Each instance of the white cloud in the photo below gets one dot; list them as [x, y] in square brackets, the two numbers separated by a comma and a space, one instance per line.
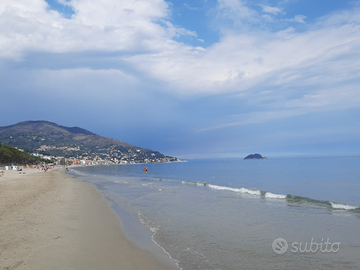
[297, 18]
[179, 31]
[236, 11]
[272, 10]
[243, 61]
[106, 25]
[116, 13]
[26, 6]
[324, 100]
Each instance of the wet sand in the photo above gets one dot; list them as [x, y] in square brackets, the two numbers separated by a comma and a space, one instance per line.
[55, 221]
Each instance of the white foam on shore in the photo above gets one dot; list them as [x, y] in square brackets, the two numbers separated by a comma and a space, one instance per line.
[154, 230]
[193, 183]
[343, 206]
[274, 196]
[238, 190]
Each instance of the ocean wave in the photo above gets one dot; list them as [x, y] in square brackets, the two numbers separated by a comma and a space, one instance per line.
[343, 206]
[238, 190]
[164, 179]
[250, 191]
[122, 182]
[274, 196]
[322, 203]
[154, 229]
[269, 195]
[288, 198]
[157, 179]
[147, 222]
[194, 183]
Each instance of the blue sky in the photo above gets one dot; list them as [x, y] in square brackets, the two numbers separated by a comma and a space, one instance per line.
[192, 79]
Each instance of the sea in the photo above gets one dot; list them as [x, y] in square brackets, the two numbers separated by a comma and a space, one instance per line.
[283, 213]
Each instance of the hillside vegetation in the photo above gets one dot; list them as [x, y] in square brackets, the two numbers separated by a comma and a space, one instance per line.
[51, 139]
[10, 155]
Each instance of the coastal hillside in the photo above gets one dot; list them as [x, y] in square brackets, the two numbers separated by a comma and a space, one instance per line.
[51, 139]
[10, 155]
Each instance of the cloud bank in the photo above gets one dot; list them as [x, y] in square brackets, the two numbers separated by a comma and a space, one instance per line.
[275, 67]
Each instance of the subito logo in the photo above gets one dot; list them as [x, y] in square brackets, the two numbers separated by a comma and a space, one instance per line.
[280, 246]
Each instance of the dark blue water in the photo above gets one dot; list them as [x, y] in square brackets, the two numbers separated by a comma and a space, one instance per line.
[226, 214]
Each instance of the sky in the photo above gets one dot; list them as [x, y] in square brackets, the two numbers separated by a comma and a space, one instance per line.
[191, 79]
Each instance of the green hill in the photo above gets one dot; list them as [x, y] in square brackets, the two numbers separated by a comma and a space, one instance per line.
[51, 139]
[10, 155]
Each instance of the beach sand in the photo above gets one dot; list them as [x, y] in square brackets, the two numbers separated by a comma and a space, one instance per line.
[55, 221]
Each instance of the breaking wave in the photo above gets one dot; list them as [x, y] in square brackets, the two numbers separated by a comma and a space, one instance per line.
[344, 206]
[274, 196]
[239, 190]
[269, 195]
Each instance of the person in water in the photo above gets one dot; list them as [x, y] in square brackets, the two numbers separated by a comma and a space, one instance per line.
[145, 169]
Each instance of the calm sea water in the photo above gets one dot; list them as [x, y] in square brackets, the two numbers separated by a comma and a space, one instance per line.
[228, 214]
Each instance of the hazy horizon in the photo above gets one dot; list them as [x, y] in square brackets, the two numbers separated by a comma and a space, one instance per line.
[200, 79]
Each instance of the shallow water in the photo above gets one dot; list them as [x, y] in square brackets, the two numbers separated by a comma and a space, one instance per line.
[226, 214]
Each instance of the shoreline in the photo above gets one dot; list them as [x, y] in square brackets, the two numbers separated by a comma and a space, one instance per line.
[55, 221]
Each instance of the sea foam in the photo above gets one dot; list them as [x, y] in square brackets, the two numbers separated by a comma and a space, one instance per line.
[274, 196]
[343, 206]
[238, 190]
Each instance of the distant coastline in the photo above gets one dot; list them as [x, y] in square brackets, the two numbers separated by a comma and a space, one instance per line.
[63, 145]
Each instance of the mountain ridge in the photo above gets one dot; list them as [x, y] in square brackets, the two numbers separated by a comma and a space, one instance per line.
[48, 138]
[42, 122]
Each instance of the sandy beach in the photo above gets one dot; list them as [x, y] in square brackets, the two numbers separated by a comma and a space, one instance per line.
[55, 221]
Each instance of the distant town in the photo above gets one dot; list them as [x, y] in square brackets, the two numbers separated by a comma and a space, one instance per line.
[91, 159]
[60, 145]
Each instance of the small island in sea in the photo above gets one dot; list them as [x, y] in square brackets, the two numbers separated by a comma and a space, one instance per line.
[255, 156]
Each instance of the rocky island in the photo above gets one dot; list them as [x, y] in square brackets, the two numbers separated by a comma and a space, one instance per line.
[255, 156]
